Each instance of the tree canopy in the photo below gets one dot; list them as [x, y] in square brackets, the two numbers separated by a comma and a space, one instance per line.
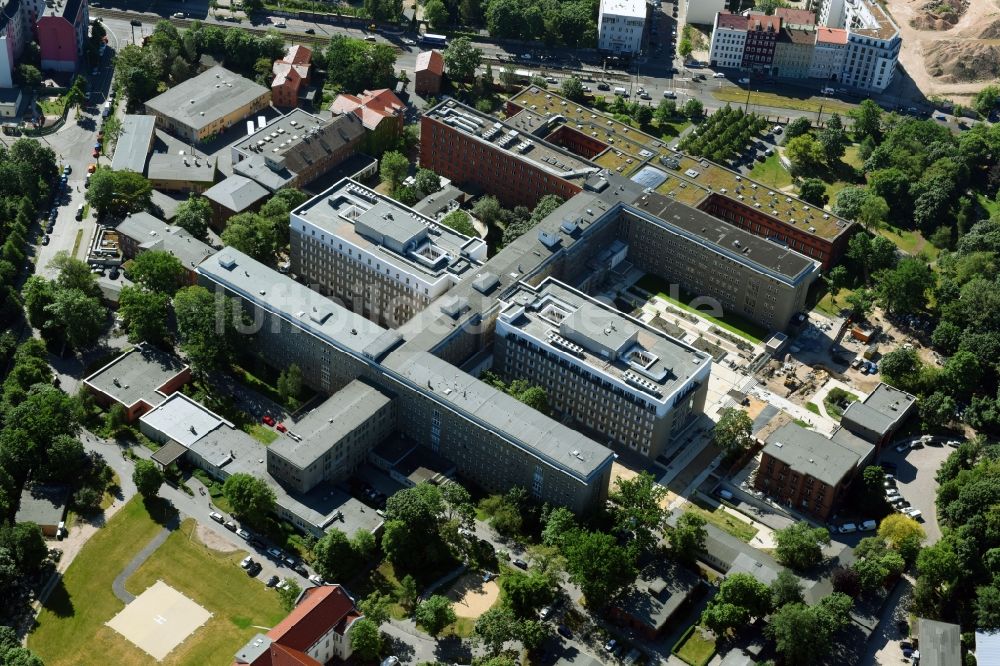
[251, 498]
[799, 545]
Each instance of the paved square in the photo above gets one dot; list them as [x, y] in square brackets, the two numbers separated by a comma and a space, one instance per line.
[159, 619]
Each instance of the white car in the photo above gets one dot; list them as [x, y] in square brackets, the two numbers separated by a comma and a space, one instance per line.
[848, 528]
[217, 517]
[246, 562]
[316, 579]
[913, 512]
[718, 75]
[178, 15]
[408, 41]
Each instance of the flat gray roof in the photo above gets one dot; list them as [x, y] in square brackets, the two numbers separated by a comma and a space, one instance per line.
[205, 98]
[335, 418]
[182, 419]
[661, 589]
[136, 375]
[383, 226]
[181, 168]
[940, 643]
[881, 411]
[808, 452]
[297, 304]
[604, 338]
[43, 504]
[152, 233]
[539, 435]
[236, 193]
[134, 142]
[749, 565]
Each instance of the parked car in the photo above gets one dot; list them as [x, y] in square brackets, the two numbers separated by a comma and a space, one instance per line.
[869, 526]
[718, 75]
[777, 129]
[564, 631]
[520, 564]
[745, 80]
[848, 528]
[545, 613]
[243, 534]
[610, 645]
[217, 517]
[603, 86]
[276, 554]
[902, 448]
[280, 427]
[272, 581]
[316, 579]
[177, 15]
[913, 512]
[246, 562]
[310, 31]
[268, 419]
[230, 525]
[408, 41]
[300, 570]
[254, 569]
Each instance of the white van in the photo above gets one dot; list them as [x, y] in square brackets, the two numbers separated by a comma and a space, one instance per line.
[718, 75]
[621, 92]
[848, 528]
[869, 526]
[669, 94]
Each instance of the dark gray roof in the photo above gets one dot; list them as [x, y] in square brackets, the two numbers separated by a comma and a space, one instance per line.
[761, 571]
[206, 98]
[181, 168]
[136, 375]
[154, 234]
[134, 142]
[658, 592]
[297, 304]
[43, 505]
[254, 649]
[169, 453]
[809, 452]
[940, 643]
[236, 193]
[881, 411]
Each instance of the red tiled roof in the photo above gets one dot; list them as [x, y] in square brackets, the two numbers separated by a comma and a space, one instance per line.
[796, 16]
[733, 21]
[285, 656]
[430, 61]
[298, 55]
[826, 35]
[372, 106]
[319, 609]
[764, 22]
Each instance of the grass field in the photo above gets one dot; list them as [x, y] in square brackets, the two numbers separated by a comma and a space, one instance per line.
[724, 521]
[77, 609]
[770, 172]
[696, 650]
[76, 612]
[261, 433]
[730, 322]
[813, 407]
[739, 95]
[52, 106]
[989, 205]
[910, 242]
[671, 128]
[836, 401]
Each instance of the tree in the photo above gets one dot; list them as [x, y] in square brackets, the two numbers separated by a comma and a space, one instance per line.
[144, 313]
[849, 200]
[904, 288]
[693, 109]
[846, 581]
[205, 324]
[768, 6]
[986, 100]
[147, 478]
[898, 529]
[426, 181]
[937, 410]
[834, 139]
[786, 589]
[357, 65]
[666, 110]
[873, 214]
[460, 221]
[64, 460]
[408, 592]
[805, 154]
[802, 634]
[30, 75]
[413, 521]
[434, 614]
[685, 47]
[80, 317]
[740, 598]
[487, 209]
[572, 88]
[436, 15]
[559, 522]
[900, 366]
[333, 556]
[598, 565]
[460, 57]
[74, 274]
[525, 593]
[867, 121]
[813, 190]
[158, 271]
[290, 383]
[643, 115]
[251, 498]
[637, 509]
[798, 545]
[495, 627]
[376, 607]
[194, 214]
[366, 639]
[798, 127]
[118, 193]
[393, 169]
[732, 433]
[254, 234]
[688, 536]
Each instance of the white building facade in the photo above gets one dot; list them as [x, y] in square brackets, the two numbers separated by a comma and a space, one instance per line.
[873, 44]
[620, 25]
[702, 12]
[828, 55]
[729, 38]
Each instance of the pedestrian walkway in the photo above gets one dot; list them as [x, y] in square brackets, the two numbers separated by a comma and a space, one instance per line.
[118, 586]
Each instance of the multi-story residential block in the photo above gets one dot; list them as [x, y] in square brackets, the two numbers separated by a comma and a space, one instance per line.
[428, 73]
[291, 76]
[334, 439]
[833, 13]
[14, 31]
[620, 26]
[762, 36]
[296, 149]
[181, 173]
[557, 129]
[873, 44]
[729, 37]
[380, 111]
[316, 632]
[702, 12]
[141, 232]
[629, 384]
[62, 34]
[793, 52]
[808, 471]
[828, 54]
[207, 104]
[234, 195]
[383, 259]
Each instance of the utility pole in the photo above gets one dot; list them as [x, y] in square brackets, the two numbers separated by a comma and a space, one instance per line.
[819, 114]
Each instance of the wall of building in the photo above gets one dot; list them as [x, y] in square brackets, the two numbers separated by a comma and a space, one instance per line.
[184, 131]
[467, 161]
[727, 47]
[619, 34]
[792, 60]
[703, 12]
[57, 43]
[427, 82]
[827, 61]
[799, 491]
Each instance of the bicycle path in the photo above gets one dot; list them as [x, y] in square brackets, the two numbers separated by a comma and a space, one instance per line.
[119, 583]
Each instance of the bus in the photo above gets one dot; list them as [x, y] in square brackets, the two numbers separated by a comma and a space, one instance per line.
[433, 40]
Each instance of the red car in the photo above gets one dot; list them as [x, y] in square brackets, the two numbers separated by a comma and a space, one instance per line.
[281, 427]
[268, 419]
[96, 153]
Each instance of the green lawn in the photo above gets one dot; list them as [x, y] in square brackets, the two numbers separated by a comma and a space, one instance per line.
[851, 156]
[52, 106]
[739, 96]
[261, 433]
[239, 604]
[910, 242]
[989, 205]
[75, 612]
[772, 173]
[836, 401]
[696, 650]
[801, 423]
[670, 129]
[813, 407]
[461, 627]
[730, 322]
[725, 521]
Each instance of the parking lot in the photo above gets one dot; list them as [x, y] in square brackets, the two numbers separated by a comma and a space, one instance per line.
[915, 478]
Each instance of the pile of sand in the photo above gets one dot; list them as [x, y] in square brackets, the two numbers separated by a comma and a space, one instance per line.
[991, 31]
[960, 61]
[939, 14]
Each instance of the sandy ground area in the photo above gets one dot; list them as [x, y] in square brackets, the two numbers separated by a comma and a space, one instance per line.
[472, 597]
[978, 16]
[208, 537]
[620, 471]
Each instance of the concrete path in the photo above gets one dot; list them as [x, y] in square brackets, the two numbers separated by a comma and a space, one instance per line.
[119, 583]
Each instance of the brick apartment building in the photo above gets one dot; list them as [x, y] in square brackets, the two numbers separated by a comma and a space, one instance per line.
[428, 73]
[762, 36]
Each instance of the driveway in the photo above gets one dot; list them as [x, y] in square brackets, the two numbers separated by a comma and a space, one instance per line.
[915, 475]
